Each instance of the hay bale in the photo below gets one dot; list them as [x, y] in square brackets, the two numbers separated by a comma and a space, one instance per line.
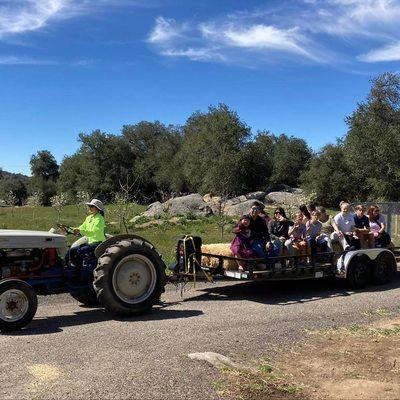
[221, 249]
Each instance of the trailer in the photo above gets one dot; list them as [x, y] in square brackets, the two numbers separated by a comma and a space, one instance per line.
[358, 267]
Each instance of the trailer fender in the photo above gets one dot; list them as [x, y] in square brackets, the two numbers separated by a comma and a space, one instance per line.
[368, 254]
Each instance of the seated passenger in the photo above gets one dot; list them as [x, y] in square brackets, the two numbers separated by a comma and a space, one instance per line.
[279, 230]
[345, 222]
[259, 230]
[306, 214]
[241, 245]
[313, 234]
[362, 229]
[297, 236]
[378, 227]
[329, 231]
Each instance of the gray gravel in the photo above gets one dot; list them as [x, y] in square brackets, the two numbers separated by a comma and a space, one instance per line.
[72, 352]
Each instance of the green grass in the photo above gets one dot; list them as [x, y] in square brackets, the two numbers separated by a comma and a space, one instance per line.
[163, 236]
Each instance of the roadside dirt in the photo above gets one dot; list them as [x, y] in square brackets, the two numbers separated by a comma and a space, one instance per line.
[356, 362]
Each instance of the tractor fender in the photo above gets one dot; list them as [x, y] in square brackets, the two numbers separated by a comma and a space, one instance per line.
[344, 260]
[101, 248]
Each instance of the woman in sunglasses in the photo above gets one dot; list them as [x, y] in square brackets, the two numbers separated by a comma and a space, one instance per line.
[279, 230]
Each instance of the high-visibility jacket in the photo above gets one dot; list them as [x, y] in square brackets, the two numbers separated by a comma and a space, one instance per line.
[93, 228]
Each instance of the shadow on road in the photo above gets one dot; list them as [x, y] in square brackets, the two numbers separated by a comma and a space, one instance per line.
[286, 293]
[40, 326]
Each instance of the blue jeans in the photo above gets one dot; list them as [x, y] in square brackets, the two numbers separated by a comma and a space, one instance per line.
[77, 254]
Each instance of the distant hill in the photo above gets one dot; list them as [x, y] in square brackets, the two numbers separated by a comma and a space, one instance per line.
[9, 175]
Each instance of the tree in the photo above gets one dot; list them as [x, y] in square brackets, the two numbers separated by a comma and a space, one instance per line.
[373, 140]
[13, 188]
[44, 165]
[45, 173]
[210, 156]
[154, 146]
[329, 177]
[257, 161]
[290, 158]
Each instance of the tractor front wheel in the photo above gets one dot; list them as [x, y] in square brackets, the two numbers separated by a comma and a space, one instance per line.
[129, 277]
[18, 304]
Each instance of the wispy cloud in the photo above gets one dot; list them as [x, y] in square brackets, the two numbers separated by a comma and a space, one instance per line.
[387, 53]
[13, 60]
[21, 16]
[313, 31]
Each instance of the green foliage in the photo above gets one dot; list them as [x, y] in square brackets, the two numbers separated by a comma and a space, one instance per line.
[373, 140]
[210, 155]
[329, 177]
[290, 157]
[14, 186]
[45, 172]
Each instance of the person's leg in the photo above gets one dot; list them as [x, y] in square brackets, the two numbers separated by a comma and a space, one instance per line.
[259, 247]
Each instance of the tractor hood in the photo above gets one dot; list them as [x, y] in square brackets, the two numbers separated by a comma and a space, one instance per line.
[20, 239]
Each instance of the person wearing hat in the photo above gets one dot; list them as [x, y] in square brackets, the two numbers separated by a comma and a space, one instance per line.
[93, 228]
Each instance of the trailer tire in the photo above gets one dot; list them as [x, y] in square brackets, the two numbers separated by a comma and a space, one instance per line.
[384, 268]
[358, 272]
[88, 297]
[18, 304]
[129, 278]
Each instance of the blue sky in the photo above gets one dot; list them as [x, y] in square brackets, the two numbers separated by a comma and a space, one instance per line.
[294, 67]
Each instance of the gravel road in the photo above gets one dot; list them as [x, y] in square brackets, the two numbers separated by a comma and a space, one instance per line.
[71, 352]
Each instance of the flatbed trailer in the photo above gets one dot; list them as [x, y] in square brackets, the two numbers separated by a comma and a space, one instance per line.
[358, 267]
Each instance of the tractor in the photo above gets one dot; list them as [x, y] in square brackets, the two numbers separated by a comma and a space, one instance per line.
[125, 274]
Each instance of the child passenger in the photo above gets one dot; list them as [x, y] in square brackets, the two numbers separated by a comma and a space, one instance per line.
[314, 238]
[297, 236]
[362, 228]
[242, 244]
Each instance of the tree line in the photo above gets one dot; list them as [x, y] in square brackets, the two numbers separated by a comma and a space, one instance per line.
[216, 152]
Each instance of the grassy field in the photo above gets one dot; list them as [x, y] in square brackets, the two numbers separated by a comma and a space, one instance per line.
[164, 235]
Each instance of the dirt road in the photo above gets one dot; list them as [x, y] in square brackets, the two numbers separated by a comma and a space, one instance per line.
[74, 352]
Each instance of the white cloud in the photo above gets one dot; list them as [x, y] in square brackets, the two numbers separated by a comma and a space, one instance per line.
[387, 53]
[21, 16]
[195, 54]
[260, 37]
[29, 15]
[13, 60]
[165, 30]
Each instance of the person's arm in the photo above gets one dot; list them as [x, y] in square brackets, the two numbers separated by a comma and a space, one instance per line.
[308, 227]
[383, 224]
[336, 226]
[271, 226]
[94, 229]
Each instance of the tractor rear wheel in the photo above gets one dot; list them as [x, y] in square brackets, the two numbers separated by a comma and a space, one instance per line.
[384, 268]
[87, 297]
[18, 304]
[129, 277]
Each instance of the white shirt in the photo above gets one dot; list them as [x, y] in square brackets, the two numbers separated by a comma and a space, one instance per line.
[345, 223]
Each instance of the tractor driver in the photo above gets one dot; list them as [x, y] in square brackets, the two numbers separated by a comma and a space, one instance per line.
[93, 228]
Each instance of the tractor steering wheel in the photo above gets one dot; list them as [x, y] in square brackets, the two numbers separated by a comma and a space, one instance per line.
[67, 229]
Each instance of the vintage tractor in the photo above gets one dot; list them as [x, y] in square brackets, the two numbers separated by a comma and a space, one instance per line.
[125, 274]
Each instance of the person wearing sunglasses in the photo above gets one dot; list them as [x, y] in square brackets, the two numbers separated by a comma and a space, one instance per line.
[279, 230]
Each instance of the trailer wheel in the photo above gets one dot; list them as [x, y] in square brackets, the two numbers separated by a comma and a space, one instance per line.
[87, 297]
[358, 272]
[129, 277]
[384, 269]
[18, 304]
